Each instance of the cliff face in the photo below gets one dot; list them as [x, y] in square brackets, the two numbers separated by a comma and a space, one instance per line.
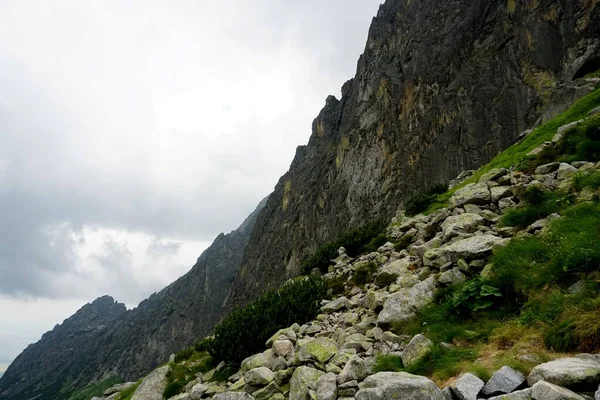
[104, 339]
[442, 87]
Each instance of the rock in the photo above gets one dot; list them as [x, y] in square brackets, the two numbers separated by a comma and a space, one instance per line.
[452, 276]
[353, 370]
[540, 149]
[393, 270]
[547, 391]
[565, 128]
[547, 168]
[493, 175]
[505, 380]
[303, 380]
[416, 349]
[449, 394]
[182, 396]
[119, 388]
[398, 385]
[233, 396]
[263, 359]
[467, 386]
[506, 204]
[260, 376]
[153, 385]
[475, 247]
[267, 392]
[565, 171]
[524, 394]
[500, 192]
[198, 390]
[402, 305]
[327, 387]
[373, 300]
[470, 194]
[283, 348]
[459, 224]
[573, 373]
[283, 334]
[335, 305]
[320, 349]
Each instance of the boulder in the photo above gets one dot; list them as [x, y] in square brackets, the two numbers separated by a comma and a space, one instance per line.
[402, 306]
[233, 396]
[547, 168]
[493, 175]
[260, 376]
[264, 359]
[182, 396]
[320, 349]
[543, 390]
[573, 373]
[524, 394]
[198, 390]
[505, 380]
[389, 273]
[417, 348]
[475, 247]
[470, 194]
[449, 394]
[282, 334]
[398, 385]
[353, 370]
[119, 388]
[373, 300]
[303, 380]
[267, 392]
[463, 223]
[327, 387]
[283, 348]
[565, 171]
[452, 276]
[500, 192]
[335, 305]
[153, 385]
[467, 386]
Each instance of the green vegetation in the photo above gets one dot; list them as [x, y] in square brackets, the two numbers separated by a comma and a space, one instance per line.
[127, 394]
[245, 331]
[182, 373]
[515, 154]
[421, 200]
[364, 274]
[95, 389]
[539, 203]
[472, 296]
[367, 237]
[583, 181]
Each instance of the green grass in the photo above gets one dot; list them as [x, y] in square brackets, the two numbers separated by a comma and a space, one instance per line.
[127, 394]
[516, 153]
[539, 203]
[583, 181]
[95, 389]
[180, 375]
[421, 200]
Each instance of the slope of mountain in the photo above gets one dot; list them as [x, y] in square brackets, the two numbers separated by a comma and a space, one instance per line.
[104, 339]
[442, 87]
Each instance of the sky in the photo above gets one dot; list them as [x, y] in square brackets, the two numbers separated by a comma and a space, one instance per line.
[133, 132]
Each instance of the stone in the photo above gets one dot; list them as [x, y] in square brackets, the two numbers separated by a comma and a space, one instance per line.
[263, 359]
[283, 348]
[572, 373]
[547, 168]
[303, 380]
[267, 392]
[320, 349]
[565, 171]
[505, 380]
[493, 175]
[153, 385]
[398, 385]
[119, 388]
[475, 247]
[467, 386]
[260, 376]
[565, 128]
[198, 390]
[597, 395]
[524, 394]
[373, 300]
[543, 390]
[470, 194]
[506, 204]
[236, 386]
[460, 224]
[389, 273]
[327, 387]
[283, 334]
[452, 276]
[335, 305]
[449, 394]
[500, 192]
[182, 396]
[233, 396]
[353, 370]
[402, 306]
[417, 348]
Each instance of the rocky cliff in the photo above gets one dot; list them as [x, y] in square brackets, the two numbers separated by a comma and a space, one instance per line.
[442, 87]
[104, 339]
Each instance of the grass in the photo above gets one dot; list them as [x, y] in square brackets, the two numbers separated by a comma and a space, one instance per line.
[583, 181]
[127, 394]
[181, 373]
[539, 203]
[516, 153]
[96, 389]
[421, 200]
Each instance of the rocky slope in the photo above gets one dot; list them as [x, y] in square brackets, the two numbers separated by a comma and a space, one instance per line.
[442, 87]
[334, 356]
[104, 339]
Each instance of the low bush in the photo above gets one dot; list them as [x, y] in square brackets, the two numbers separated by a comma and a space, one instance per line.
[184, 354]
[420, 201]
[472, 296]
[203, 345]
[336, 285]
[587, 180]
[356, 241]
[245, 331]
[539, 203]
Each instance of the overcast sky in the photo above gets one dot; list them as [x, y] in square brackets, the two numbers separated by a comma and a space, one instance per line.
[134, 132]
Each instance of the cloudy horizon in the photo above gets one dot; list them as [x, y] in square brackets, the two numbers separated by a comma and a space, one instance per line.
[133, 134]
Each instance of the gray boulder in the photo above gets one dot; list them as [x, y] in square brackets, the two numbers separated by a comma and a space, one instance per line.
[524, 394]
[118, 388]
[452, 276]
[233, 396]
[402, 305]
[547, 168]
[303, 380]
[398, 385]
[389, 273]
[327, 387]
[153, 385]
[500, 192]
[335, 305]
[467, 386]
[505, 380]
[597, 395]
[353, 370]
[417, 348]
[320, 349]
[573, 373]
[565, 171]
[198, 391]
[260, 376]
[547, 391]
[462, 223]
[470, 194]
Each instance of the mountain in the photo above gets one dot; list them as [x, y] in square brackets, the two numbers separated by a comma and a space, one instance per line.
[442, 87]
[104, 339]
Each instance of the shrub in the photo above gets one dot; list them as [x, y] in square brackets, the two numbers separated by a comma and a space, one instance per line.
[403, 243]
[375, 243]
[336, 285]
[364, 274]
[183, 355]
[245, 331]
[173, 389]
[355, 241]
[180, 375]
[390, 363]
[539, 204]
[421, 200]
[587, 180]
[473, 295]
[203, 345]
